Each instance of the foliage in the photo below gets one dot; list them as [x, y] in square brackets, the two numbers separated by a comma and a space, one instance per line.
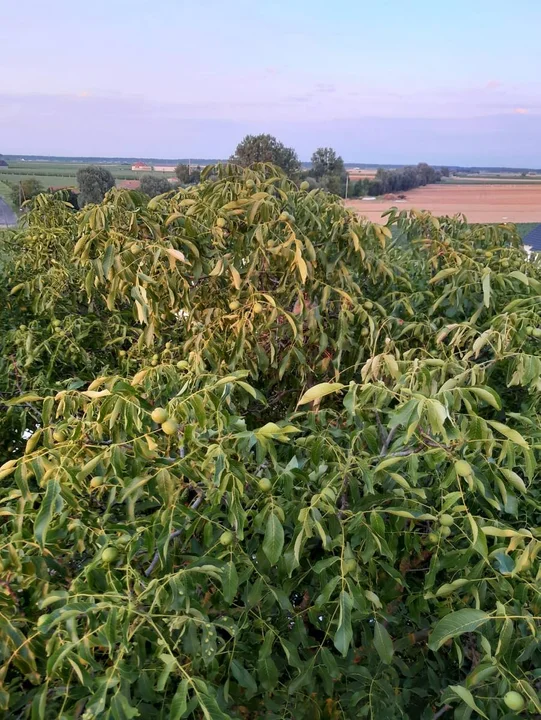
[266, 149]
[325, 161]
[406, 178]
[343, 519]
[182, 172]
[153, 185]
[94, 182]
[25, 190]
[186, 175]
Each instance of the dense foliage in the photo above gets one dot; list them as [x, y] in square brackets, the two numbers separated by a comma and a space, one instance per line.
[404, 178]
[153, 185]
[266, 149]
[263, 460]
[94, 182]
[24, 190]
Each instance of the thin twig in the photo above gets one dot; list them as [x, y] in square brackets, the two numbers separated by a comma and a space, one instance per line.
[389, 440]
[442, 711]
[382, 431]
[156, 559]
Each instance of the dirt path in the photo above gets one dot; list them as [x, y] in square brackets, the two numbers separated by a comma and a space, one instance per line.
[480, 203]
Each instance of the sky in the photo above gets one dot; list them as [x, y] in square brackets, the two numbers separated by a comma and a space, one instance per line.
[387, 81]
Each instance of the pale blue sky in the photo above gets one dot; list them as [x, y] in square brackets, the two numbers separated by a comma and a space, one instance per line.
[448, 81]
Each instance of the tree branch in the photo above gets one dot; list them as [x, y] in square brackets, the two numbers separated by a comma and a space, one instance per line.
[442, 711]
[156, 559]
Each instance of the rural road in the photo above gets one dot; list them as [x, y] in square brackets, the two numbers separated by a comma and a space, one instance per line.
[7, 216]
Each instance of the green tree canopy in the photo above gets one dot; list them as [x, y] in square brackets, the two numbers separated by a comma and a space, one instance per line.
[266, 149]
[262, 459]
[94, 182]
[182, 172]
[25, 190]
[325, 161]
[153, 185]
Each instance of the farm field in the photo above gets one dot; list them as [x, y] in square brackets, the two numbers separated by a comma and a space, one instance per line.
[52, 174]
[479, 203]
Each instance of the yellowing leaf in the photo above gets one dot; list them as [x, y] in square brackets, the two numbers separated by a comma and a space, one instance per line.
[319, 391]
[236, 277]
[510, 434]
[177, 255]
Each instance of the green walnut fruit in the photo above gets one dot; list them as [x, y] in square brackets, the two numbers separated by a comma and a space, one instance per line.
[537, 332]
[159, 415]
[134, 249]
[258, 307]
[221, 222]
[447, 520]
[182, 365]
[514, 701]
[445, 531]
[59, 436]
[265, 485]
[226, 538]
[250, 184]
[284, 217]
[305, 185]
[234, 305]
[463, 468]
[168, 346]
[529, 330]
[365, 332]
[170, 427]
[57, 323]
[368, 305]
[349, 566]
[109, 555]
[433, 538]
[97, 482]
[122, 353]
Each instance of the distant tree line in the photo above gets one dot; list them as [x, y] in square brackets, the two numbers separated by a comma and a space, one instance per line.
[399, 180]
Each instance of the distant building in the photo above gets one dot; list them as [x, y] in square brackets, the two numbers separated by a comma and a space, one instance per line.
[141, 167]
[164, 168]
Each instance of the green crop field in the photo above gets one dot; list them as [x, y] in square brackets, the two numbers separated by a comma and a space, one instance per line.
[52, 174]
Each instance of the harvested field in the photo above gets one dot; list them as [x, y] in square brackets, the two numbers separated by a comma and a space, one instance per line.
[479, 203]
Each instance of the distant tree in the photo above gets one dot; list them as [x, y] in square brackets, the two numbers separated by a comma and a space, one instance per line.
[182, 172]
[266, 148]
[153, 185]
[25, 190]
[94, 182]
[445, 172]
[325, 161]
[195, 176]
[334, 184]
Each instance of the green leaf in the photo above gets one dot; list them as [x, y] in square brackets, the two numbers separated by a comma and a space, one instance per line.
[179, 703]
[456, 623]
[510, 434]
[344, 632]
[466, 695]
[230, 582]
[273, 541]
[46, 511]
[267, 672]
[383, 643]
[318, 391]
[242, 676]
